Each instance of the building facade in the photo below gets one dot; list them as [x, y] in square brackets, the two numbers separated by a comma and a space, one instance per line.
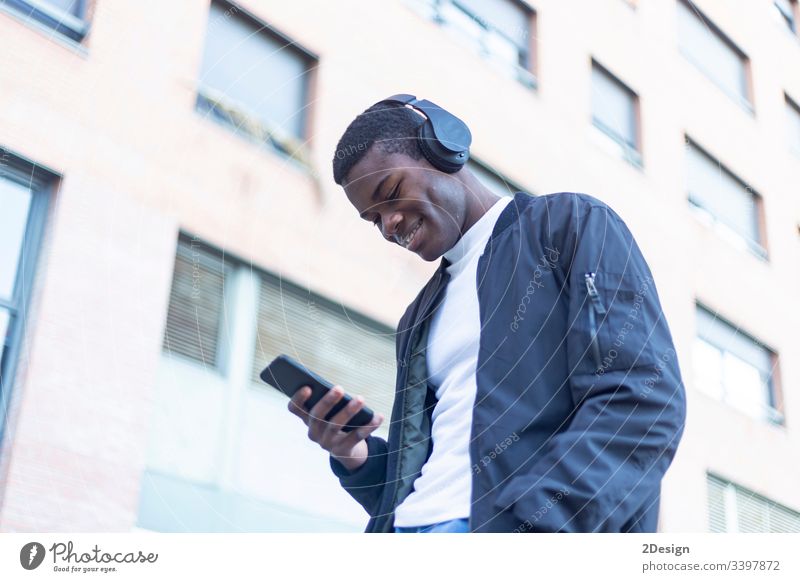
[169, 223]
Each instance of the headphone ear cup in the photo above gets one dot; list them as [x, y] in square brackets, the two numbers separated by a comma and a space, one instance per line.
[433, 152]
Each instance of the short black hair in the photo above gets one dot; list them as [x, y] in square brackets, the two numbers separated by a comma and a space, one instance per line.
[390, 126]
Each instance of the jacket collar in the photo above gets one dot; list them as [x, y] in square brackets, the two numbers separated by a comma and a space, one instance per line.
[508, 216]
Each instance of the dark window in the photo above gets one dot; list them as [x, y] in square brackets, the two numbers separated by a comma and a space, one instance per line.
[793, 113]
[493, 180]
[502, 30]
[254, 80]
[615, 112]
[24, 194]
[705, 46]
[67, 17]
[194, 318]
[730, 204]
[787, 12]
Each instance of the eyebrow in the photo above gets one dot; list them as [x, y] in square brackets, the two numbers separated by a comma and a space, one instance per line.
[375, 193]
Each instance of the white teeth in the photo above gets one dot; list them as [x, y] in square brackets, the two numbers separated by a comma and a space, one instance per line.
[406, 241]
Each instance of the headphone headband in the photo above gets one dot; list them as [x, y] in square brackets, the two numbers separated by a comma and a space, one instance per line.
[443, 138]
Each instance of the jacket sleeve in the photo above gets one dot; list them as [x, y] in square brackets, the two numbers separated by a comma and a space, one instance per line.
[366, 483]
[625, 383]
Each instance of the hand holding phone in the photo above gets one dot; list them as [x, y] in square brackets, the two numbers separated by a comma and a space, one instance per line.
[337, 422]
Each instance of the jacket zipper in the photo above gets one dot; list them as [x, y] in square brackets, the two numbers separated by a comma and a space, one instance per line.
[596, 308]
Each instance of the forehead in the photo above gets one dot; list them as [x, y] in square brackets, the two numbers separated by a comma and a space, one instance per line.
[368, 173]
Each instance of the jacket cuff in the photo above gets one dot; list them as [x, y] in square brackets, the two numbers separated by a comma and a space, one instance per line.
[371, 472]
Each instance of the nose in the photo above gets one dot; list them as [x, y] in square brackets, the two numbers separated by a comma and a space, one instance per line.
[390, 224]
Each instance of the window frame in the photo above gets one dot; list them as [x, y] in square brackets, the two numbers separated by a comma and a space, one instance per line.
[794, 106]
[527, 74]
[512, 184]
[745, 101]
[631, 153]
[759, 248]
[42, 184]
[210, 105]
[792, 25]
[731, 508]
[774, 411]
[73, 27]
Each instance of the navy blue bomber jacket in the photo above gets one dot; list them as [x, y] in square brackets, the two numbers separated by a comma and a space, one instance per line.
[580, 404]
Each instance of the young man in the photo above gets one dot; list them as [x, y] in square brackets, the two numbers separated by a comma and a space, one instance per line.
[538, 388]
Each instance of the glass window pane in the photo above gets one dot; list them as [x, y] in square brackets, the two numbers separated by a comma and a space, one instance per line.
[491, 180]
[194, 317]
[718, 332]
[744, 386]
[5, 318]
[613, 106]
[718, 192]
[461, 20]
[254, 71]
[793, 113]
[15, 201]
[68, 6]
[711, 53]
[507, 16]
[707, 366]
[785, 11]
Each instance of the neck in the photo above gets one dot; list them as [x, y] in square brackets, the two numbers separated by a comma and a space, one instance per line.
[479, 200]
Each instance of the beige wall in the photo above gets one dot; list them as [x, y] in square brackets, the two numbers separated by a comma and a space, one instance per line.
[116, 119]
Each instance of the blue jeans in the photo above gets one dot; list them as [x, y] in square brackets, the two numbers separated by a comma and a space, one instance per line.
[458, 525]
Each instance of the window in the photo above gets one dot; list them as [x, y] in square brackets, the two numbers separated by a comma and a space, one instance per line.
[494, 181]
[734, 368]
[254, 80]
[786, 11]
[702, 43]
[793, 129]
[503, 31]
[219, 436]
[733, 509]
[334, 341]
[66, 17]
[730, 206]
[615, 112]
[24, 193]
[194, 318]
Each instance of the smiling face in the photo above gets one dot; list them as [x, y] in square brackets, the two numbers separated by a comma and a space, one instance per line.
[412, 203]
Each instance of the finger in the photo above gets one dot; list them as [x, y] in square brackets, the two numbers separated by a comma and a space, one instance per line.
[296, 403]
[316, 421]
[360, 433]
[338, 420]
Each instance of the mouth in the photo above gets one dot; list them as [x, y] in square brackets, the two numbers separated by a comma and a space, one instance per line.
[411, 238]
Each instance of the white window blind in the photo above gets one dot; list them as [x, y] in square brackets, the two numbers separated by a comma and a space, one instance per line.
[613, 107]
[196, 303]
[732, 508]
[711, 53]
[717, 191]
[341, 346]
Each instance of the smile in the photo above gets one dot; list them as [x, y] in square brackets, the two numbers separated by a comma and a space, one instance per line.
[409, 238]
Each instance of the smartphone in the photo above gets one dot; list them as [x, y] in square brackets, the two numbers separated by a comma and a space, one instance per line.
[289, 376]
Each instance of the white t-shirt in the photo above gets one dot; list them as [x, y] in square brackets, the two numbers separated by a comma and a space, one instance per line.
[444, 487]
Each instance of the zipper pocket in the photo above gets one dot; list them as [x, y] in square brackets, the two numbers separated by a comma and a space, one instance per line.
[596, 308]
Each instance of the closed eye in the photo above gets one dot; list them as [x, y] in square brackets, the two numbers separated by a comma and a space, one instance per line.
[392, 196]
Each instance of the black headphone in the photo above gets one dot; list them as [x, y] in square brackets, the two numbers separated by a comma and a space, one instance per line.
[443, 138]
